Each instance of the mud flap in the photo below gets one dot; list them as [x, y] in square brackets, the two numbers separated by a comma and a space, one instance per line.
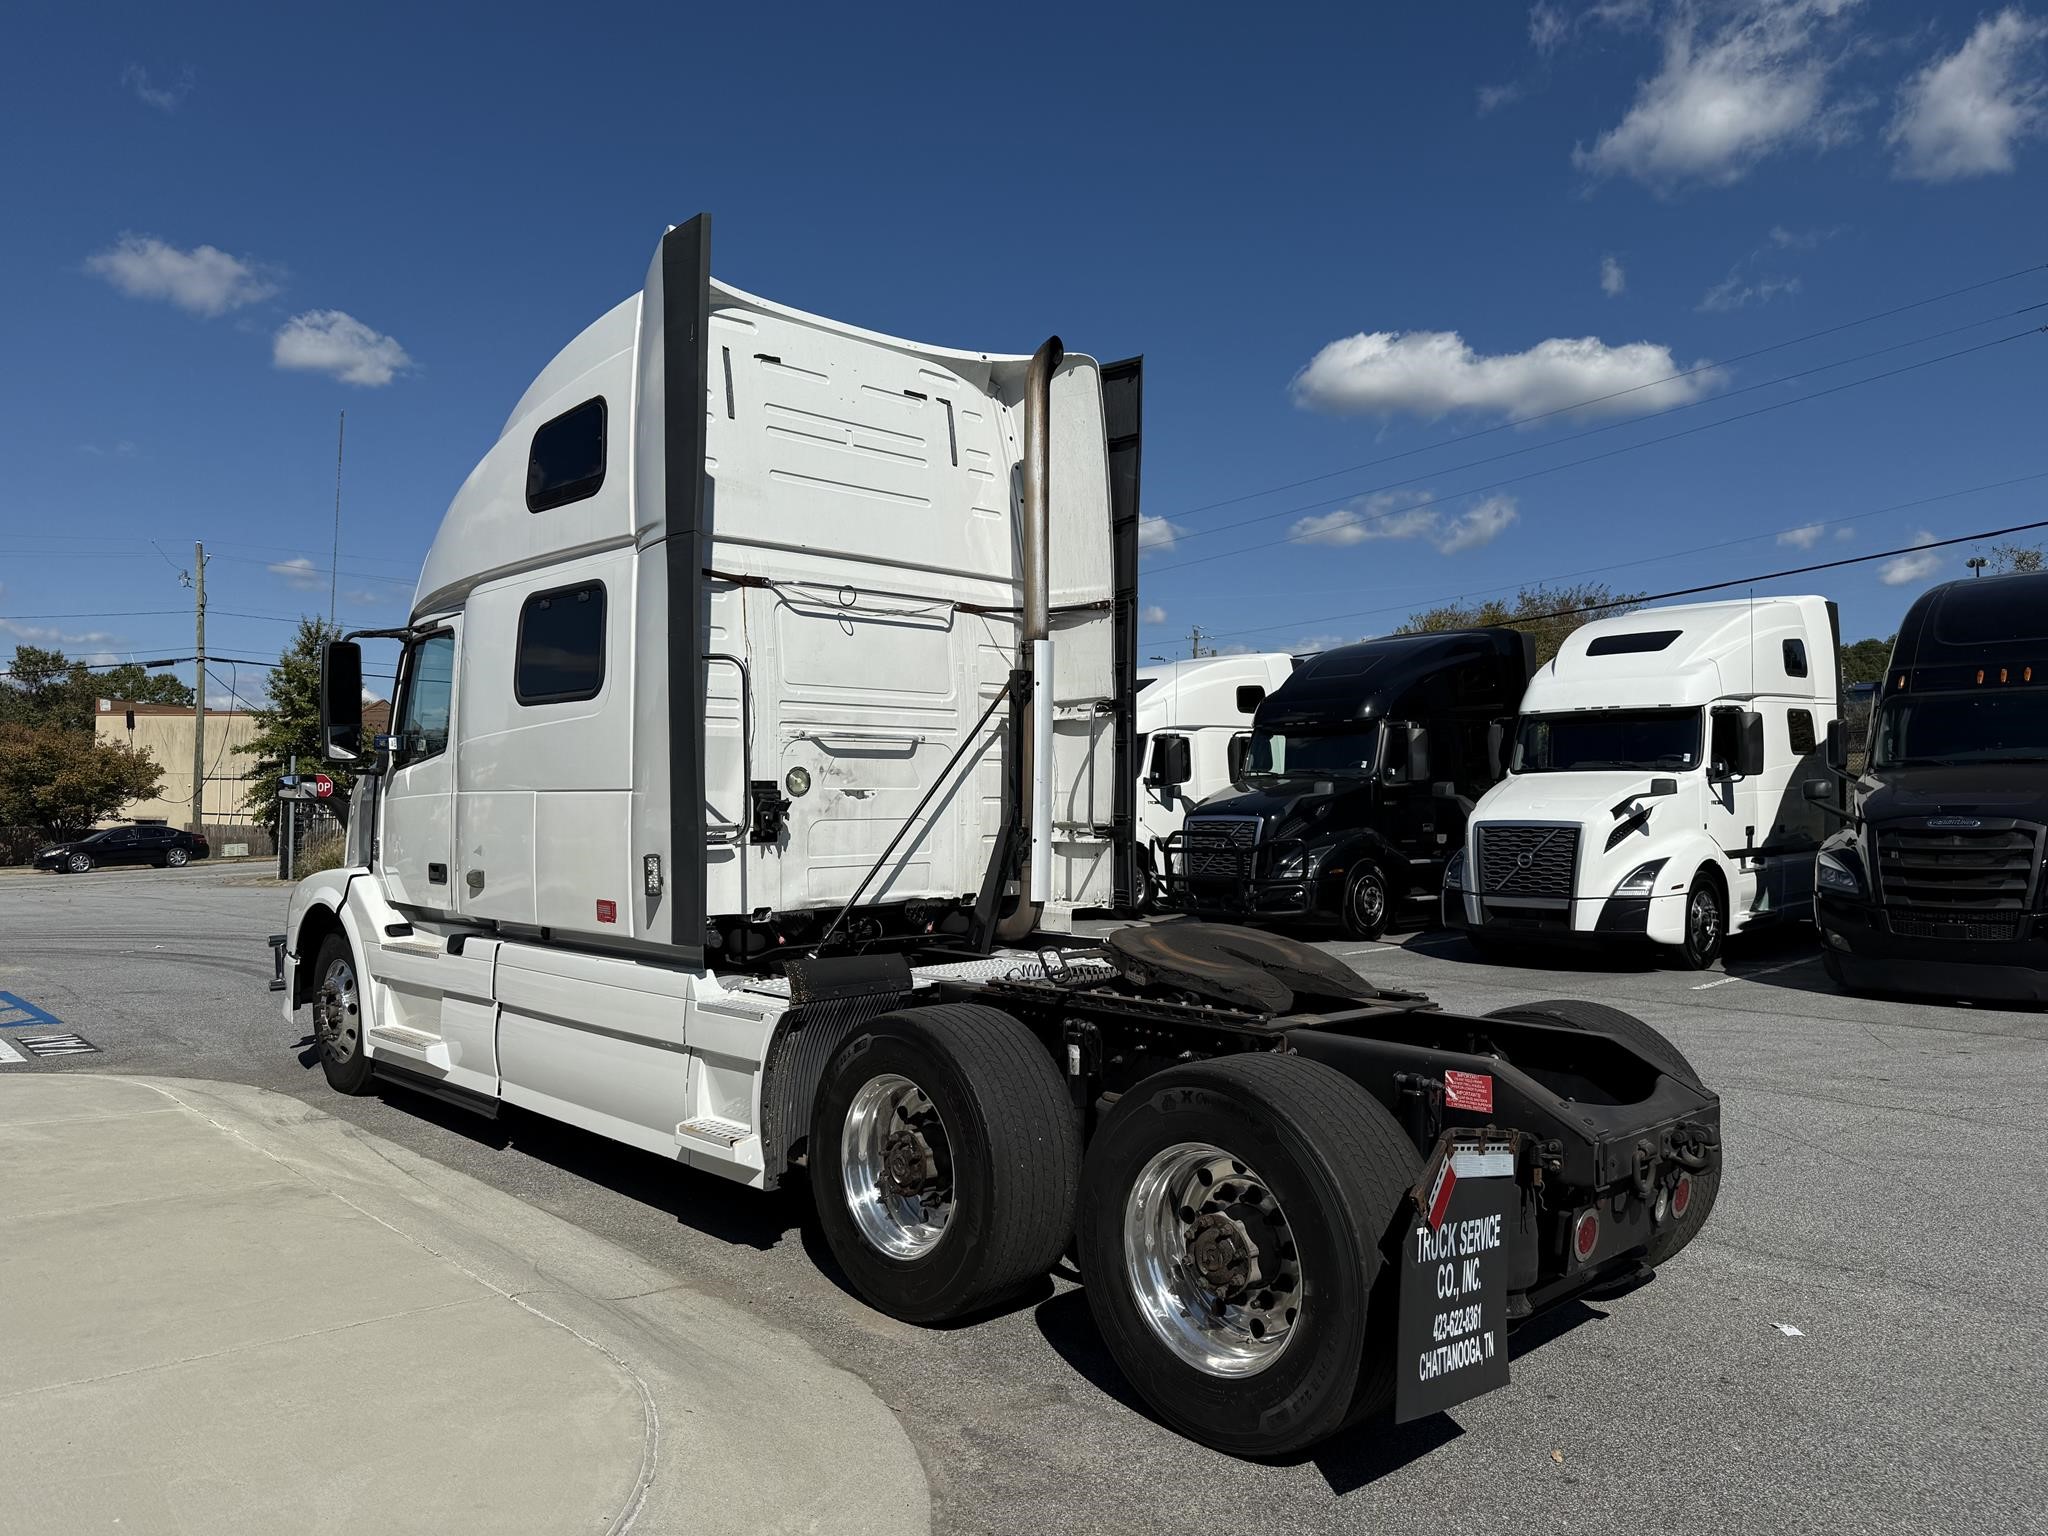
[1451, 1339]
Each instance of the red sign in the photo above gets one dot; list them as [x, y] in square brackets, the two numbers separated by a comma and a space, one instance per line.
[1440, 1193]
[1468, 1090]
[607, 911]
[323, 786]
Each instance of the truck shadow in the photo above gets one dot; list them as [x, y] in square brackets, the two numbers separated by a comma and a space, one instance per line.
[1355, 1459]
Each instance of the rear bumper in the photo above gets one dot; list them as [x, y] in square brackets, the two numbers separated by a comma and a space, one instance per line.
[1862, 946]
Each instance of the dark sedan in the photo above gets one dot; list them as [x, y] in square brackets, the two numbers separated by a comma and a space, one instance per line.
[165, 847]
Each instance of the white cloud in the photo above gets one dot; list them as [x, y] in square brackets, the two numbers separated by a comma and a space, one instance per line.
[1896, 573]
[301, 573]
[1803, 239]
[202, 281]
[1157, 533]
[1963, 114]
[1477, 525]
[1748, 83]
[1613, 277]
[1844, 535]
[52, 635]
[1803, 538]
[363, 597]
[1493, 97]
[1739, 289]
[1388, 516]
[1547, 26]
[1330, 642]
[1152, 614]
[1430, 373]
[165, 98]
[331, 342]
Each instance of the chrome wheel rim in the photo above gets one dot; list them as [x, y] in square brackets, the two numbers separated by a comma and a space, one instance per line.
[1211, 1260]
[79, 863]
[175, 857]
[338, 1017]
[1705, 921]
[896, 1167]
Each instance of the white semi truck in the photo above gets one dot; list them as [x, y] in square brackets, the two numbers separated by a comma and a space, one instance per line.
[1655, 792]
[1194, 729]
[765, 704]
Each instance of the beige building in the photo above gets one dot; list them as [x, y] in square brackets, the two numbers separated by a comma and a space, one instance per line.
[165, 732]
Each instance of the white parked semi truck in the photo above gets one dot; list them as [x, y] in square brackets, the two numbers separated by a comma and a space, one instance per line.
[1194, 729]
[1655, 792]
[765, 704]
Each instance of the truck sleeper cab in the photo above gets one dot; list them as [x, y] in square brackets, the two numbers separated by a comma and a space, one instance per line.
[1934, 881]
[1653, 794]
[806, 918]
[1194, 729]
[1359, 774]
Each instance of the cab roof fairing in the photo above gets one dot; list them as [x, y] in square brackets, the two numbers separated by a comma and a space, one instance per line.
[490, 503]
[1723, 651]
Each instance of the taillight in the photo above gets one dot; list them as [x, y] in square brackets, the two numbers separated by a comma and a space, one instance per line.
[1681, 1195]
[1586, 1234]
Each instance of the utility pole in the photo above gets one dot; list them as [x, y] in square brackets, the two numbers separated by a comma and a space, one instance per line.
[1195, 642]
[199, 689]
[334, 559]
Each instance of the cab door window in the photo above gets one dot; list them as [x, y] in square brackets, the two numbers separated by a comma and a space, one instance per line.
[424, 712]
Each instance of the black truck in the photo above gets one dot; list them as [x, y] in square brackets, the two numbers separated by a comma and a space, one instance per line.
[1362, 769]
[1934, 883]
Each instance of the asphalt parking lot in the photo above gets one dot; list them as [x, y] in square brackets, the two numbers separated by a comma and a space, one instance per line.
[1882, 1199]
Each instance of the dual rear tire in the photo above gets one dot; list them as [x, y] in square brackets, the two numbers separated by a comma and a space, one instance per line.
[1231, 1225]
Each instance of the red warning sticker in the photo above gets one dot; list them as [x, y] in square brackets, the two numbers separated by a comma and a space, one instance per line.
[1440, 1193]
[1468, 1090]
[607, 911]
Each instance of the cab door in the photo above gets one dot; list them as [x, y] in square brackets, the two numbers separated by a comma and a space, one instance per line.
[417, 836]
[1736, 817]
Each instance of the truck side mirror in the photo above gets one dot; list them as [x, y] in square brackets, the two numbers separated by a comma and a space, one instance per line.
[1819, 791]
[1418, 753]
[1496, 748]
[1172, 762]
[1838, 747]
[1661, 787]
[341, 701]
[1750, 757]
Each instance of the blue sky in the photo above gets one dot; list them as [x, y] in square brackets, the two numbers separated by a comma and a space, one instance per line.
[1338, 234]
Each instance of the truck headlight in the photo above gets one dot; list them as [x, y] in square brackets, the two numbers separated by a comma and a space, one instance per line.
[1454, 872]
[1833, 874]
[1642, 880]
[1291, 865]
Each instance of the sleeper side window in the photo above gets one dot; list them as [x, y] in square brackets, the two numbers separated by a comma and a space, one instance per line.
[566, 462]
[561, 645]
[422, 727]
[1795, 658]
[1800, 722]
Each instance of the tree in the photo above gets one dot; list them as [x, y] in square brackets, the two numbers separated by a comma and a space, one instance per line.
[291, 722]
[1548, 613]
[1866, 660]
[62, 781]
[45, 687]
[2014, 560]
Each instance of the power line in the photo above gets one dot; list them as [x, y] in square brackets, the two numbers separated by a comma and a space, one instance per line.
[1551, 469]
[1580, 405]
[1712, 586]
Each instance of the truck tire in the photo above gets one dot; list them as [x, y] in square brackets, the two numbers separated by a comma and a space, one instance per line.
[1261, 1325]
[945, 1153]
[1706, 923]
[1366, 899]
[338, 1016]
[1652, 1046]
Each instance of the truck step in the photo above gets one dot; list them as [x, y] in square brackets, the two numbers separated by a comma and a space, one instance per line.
[399, 1034]
[726, 1133]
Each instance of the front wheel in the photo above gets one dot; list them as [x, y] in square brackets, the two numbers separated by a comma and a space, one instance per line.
[338, 1016]
[1365, 903]
[78, 863]
[945, 1154]
[1231, 1243]
[1706, 923]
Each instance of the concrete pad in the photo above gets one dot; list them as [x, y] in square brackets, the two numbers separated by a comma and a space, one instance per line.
[224, 1311]
[197, 1274]
[471, 1417]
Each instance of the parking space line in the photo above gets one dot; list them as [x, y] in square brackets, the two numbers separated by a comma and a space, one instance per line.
[9, 1056]
[1770, 970]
